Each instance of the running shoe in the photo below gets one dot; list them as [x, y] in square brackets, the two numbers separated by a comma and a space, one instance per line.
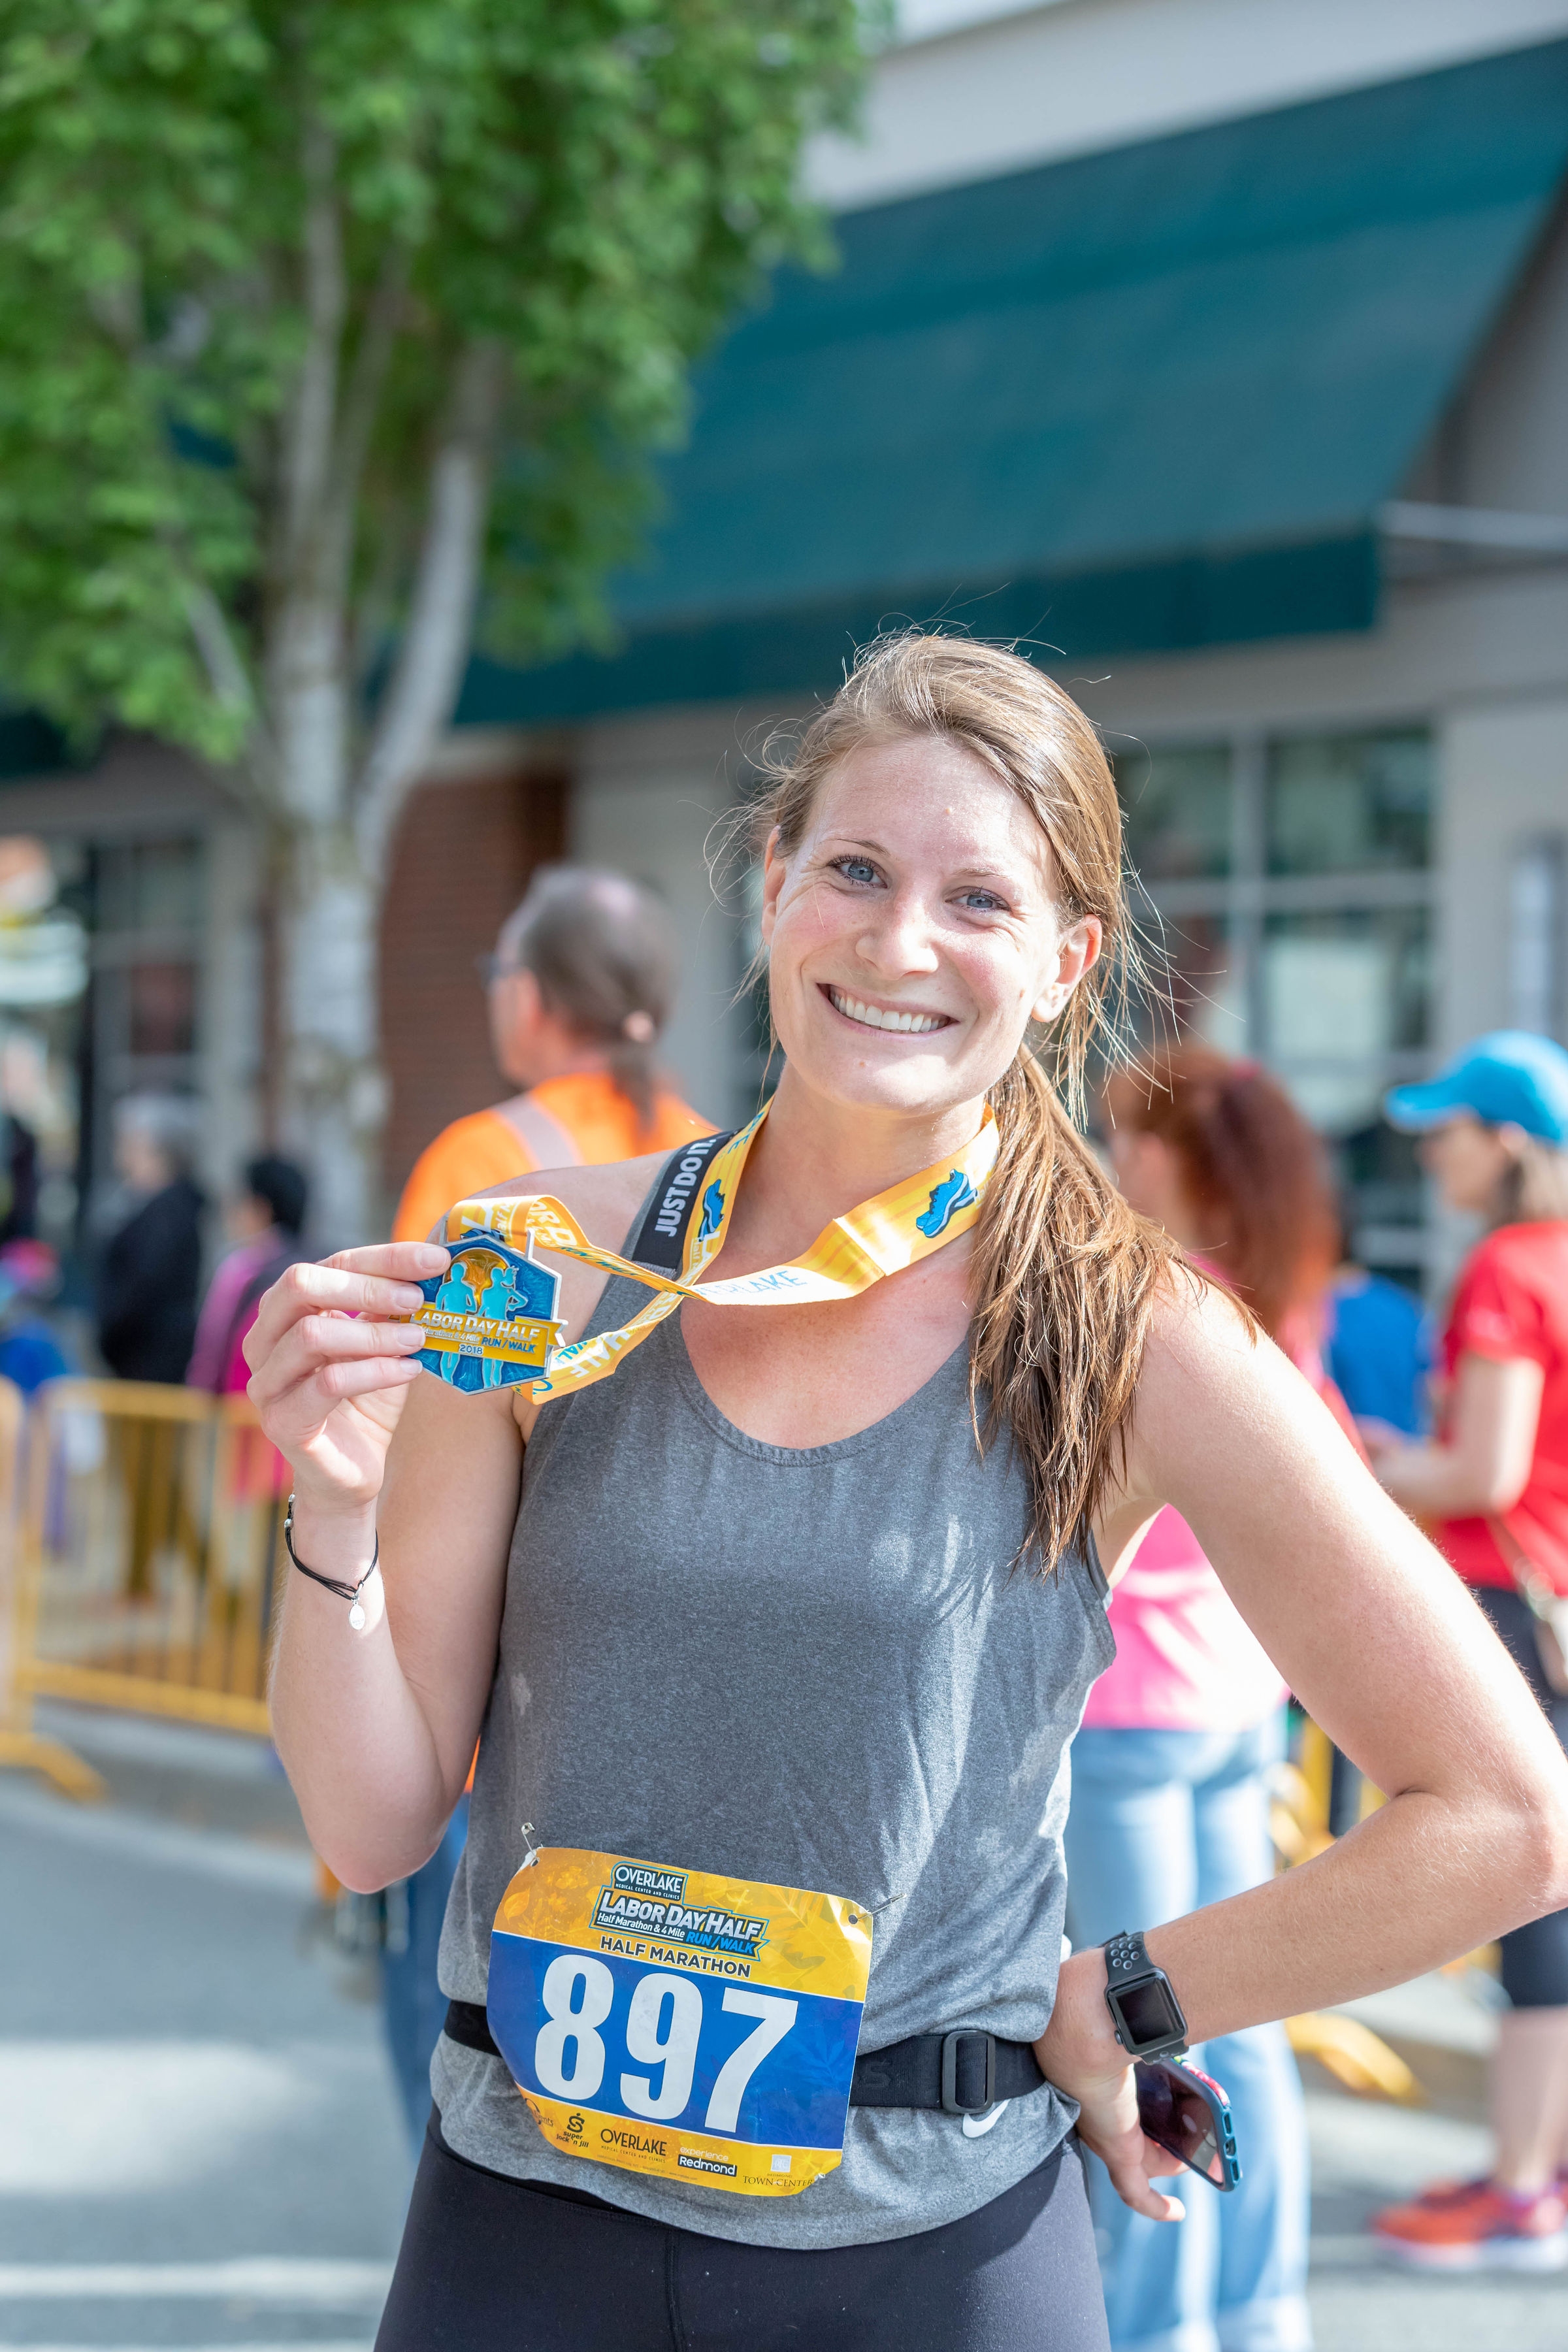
[1474, 2225]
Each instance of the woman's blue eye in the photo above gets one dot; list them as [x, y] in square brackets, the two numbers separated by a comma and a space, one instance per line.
[986, 901]
[856, 869]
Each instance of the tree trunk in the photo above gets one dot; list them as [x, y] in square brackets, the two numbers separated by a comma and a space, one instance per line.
[338, 827]
[334, 1094]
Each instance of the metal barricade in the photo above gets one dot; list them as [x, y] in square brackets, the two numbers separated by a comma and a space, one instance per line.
[151, 1533]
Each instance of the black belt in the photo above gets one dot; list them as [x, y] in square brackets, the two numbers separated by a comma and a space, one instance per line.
[964, 2073]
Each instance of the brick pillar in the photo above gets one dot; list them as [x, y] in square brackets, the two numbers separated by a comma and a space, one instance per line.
[461, 861]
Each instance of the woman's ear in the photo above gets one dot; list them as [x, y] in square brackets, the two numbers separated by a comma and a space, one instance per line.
[773, 873]
[1077, 951]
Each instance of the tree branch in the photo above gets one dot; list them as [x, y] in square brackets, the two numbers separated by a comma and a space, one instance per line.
[428, 670]
[361, 396]
[305, 686]
[356, 425]
[230, 681]
[308, 441]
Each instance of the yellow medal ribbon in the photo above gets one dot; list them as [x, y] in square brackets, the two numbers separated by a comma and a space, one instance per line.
[899, 1227]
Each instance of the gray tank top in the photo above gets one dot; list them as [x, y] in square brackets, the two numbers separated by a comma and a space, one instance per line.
[813, 1667]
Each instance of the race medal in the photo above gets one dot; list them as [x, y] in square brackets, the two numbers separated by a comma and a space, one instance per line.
[490, 1317]
[675, 2023]
[682, 1232]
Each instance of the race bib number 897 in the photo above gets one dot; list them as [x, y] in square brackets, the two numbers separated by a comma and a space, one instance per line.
[677, 2022]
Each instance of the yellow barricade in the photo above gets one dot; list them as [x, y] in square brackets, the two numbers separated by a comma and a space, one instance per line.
[1299, 1824]
[20, 1745]
[148, 1566]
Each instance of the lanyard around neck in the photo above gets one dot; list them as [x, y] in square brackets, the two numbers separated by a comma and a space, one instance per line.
[909, 1222]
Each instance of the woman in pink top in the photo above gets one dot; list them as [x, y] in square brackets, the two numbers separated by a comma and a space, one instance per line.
[264, 1222]
[1170, 1798]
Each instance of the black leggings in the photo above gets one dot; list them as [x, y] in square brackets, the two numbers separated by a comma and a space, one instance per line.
[492, 2264]
[1534, 1958]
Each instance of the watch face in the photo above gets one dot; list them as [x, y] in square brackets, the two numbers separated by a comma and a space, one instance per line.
[1149, 2012]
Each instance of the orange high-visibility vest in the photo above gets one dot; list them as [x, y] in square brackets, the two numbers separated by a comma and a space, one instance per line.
[570, 1122]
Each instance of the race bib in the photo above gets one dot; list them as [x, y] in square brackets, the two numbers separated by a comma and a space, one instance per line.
[675, 2023]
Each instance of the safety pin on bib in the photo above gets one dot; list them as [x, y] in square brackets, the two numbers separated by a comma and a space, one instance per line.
[533, 1854]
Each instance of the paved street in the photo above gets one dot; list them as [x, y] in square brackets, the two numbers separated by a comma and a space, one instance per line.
[198, 2143]
[1365, 2154]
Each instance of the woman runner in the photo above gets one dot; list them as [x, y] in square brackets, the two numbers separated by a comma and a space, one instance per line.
[811, 1598]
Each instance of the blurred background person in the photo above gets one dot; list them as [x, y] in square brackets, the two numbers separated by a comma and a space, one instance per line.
[19, 1180]
[1493, 1485]
[1170, 1771]
[264, 1222]
[579, 989]
[31, 1349]
[150, 1270]
[1378, 1349]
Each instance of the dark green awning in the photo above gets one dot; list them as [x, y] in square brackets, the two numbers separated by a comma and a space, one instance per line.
[1140, 401]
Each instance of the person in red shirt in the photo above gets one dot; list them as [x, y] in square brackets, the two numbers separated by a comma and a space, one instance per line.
[1495, 1485]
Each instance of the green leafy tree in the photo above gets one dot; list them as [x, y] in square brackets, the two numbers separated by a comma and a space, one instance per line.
[328, 333]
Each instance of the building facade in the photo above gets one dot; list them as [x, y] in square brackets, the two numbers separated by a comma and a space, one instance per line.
[1216, 350]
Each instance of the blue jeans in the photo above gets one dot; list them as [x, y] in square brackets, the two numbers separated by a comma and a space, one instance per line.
[413, 2002]
[1162, 1822]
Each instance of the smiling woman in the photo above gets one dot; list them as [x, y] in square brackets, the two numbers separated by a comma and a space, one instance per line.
[778, 1608]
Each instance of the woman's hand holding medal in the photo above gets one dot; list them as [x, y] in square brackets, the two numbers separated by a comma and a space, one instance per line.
[330, 1363]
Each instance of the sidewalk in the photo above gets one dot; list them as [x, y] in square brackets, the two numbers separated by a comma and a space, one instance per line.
[1367, 2153]
[200, 2147]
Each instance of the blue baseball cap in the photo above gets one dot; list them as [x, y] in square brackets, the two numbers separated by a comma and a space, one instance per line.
[1510, 1078]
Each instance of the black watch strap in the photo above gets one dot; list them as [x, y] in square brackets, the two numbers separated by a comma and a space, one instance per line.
[1128, 1967]
[1127, 1958]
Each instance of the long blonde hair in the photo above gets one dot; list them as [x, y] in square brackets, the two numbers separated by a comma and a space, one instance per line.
[1534, 1188]
[1064, 1273]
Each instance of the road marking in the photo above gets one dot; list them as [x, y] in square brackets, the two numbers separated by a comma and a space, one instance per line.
[297, 2279]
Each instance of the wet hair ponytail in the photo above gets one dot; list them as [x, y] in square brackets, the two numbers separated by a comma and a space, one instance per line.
[1066, 1275]
[603, 950]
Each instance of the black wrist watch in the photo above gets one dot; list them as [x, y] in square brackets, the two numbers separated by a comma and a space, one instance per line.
[1143, 2007]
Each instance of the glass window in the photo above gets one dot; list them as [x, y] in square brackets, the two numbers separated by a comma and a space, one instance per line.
[1194, 988]
[1341, 993]
[1381, 1189]
[163, 1009]
[1348, 803]
[154, 886]
[1177, 805]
